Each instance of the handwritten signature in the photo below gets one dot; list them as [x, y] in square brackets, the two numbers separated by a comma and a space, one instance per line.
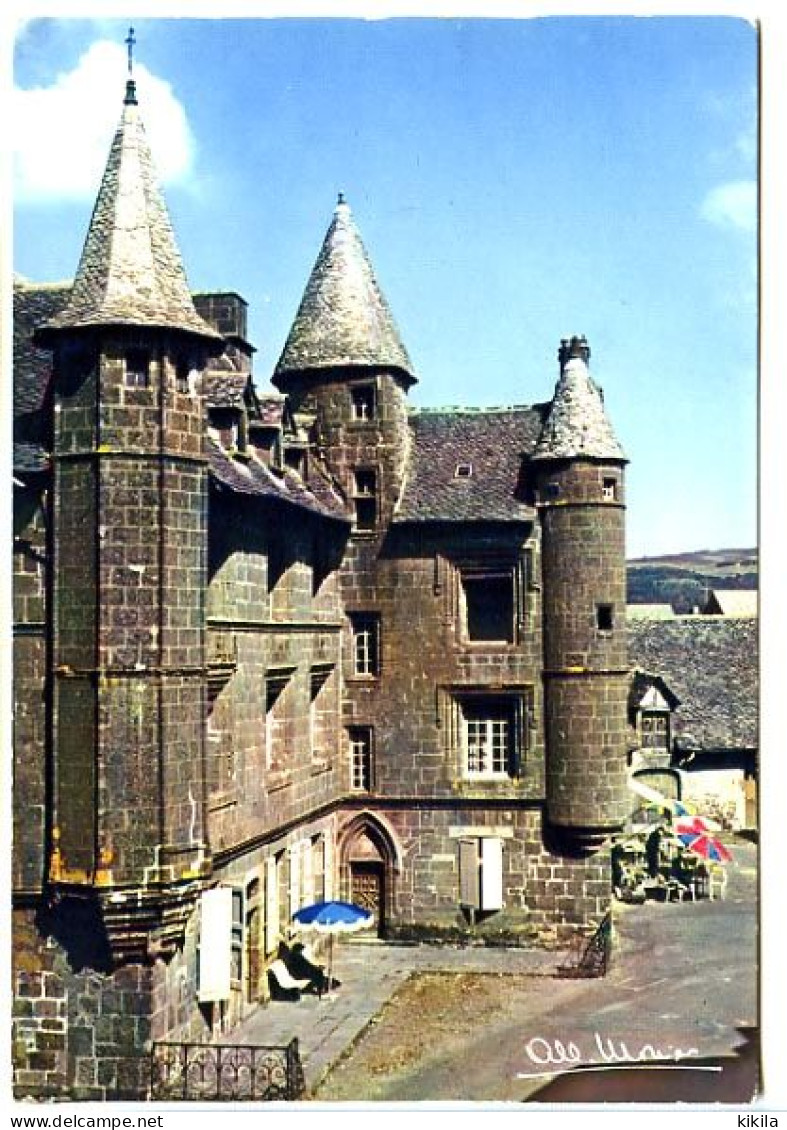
[606, 1051]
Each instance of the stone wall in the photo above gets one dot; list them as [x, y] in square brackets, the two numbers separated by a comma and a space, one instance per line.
[30, 686]
[413, 583]
[585, 659]
[547, 895]
[278, 634]
[77, 1035]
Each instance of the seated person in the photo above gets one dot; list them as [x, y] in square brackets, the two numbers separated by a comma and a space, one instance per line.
[302, 968]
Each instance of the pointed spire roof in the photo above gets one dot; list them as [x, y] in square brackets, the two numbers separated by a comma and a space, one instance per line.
[131, 272]
[577, 424]
[343, 318]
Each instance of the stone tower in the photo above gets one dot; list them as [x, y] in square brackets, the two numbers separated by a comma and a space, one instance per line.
[347, 374]
[580, 466]
[127, 838]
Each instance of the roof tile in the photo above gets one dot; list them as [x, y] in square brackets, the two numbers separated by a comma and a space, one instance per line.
[130, 272]
[577, 425]
[492, 443]
[343, 318]
[710, 663]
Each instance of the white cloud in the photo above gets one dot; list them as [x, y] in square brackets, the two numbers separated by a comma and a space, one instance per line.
[732, 205]
[62, 132]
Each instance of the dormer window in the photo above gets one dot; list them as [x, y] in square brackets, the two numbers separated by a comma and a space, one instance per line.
[463, 471]
[137, 368]
[363, 402]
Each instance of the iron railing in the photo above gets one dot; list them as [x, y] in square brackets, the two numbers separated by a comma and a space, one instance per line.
[225, 1072]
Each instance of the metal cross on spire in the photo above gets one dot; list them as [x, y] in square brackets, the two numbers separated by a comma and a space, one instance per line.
[130, 41]
[131, 86]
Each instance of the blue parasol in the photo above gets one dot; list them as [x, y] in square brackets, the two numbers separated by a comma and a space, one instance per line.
[332, 917]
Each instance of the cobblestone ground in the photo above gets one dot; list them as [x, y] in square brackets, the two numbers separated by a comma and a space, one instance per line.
[684, 977]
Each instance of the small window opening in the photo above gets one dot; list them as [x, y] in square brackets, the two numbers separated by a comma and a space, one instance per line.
[463, 471]
[609, 490]
[77, 363]
[363, 402]
[365, 498]
[489, 606]
[295, 459]
[182, 369]
[604, 619]
[137, 368]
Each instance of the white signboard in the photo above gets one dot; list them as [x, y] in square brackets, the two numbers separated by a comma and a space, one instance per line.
[215, 944]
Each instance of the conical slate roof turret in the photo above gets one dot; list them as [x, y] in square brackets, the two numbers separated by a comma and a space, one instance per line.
[577, 424]
[343, 318]
[131, 272]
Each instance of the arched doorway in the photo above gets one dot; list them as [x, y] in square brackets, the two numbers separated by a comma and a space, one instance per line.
[368, 861]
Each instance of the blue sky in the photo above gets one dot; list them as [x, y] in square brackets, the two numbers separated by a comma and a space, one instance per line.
[515, 181]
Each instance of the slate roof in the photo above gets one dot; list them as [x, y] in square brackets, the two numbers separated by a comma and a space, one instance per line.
[224, 389]
[33, 304]
[710, 663]
[30, 457]
[577, 425]
[250, 477]
[130, 272]
[493, 443]
[343, 318]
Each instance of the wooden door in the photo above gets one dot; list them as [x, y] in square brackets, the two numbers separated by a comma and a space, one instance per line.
[368, 889]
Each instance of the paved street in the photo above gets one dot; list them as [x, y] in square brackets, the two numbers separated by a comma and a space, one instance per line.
[683, 983]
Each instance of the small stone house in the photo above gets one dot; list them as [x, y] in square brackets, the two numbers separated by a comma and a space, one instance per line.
[694, 708]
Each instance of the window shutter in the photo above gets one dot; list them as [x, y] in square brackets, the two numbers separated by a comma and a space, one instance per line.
[308, 873]
[295, 878]
[468, 873]
[215, 953]
[271, 905]
[328, 865]
[491, 873]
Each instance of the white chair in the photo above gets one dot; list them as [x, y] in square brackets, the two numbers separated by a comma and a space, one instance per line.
[718, 881]
[290, 987]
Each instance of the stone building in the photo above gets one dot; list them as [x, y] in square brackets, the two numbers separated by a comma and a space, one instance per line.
[273, 647]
